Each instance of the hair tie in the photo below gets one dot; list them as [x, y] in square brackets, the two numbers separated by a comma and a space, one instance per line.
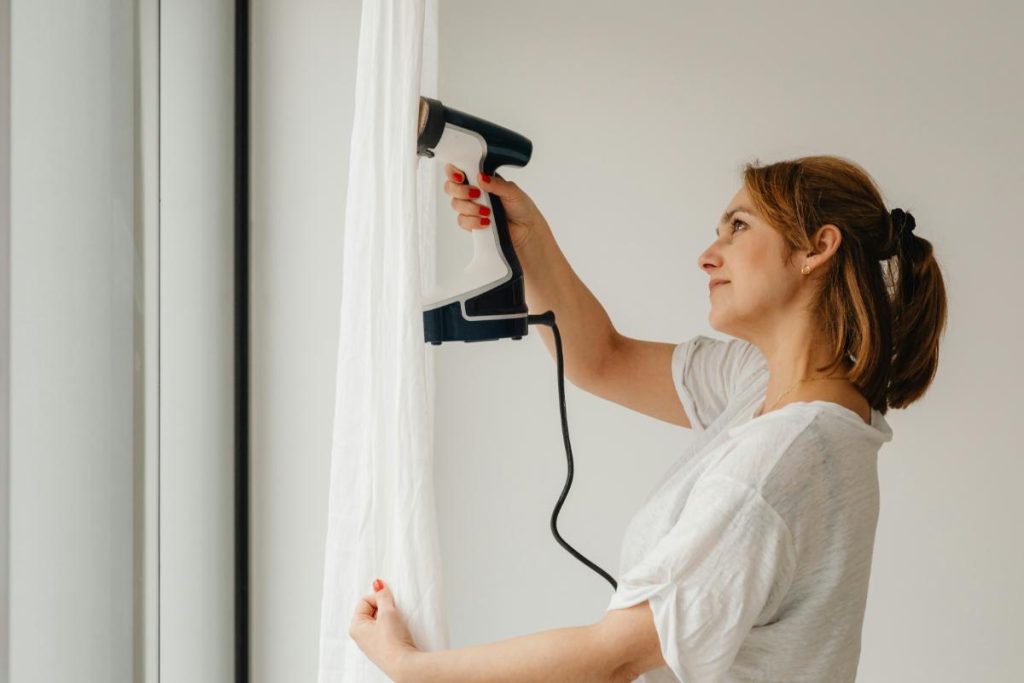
[903, 225]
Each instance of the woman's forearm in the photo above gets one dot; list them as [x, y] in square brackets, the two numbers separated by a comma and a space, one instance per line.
[552, 285]
[566, 655]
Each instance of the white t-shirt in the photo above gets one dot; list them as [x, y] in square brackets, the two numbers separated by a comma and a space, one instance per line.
[755, 550]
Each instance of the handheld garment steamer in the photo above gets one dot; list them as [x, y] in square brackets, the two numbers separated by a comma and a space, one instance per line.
[486, 301]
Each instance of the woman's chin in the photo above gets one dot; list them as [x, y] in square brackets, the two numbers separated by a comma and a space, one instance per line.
[718, 321]
[714, 320]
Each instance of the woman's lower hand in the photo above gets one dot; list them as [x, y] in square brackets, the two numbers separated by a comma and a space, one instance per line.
[380, 632]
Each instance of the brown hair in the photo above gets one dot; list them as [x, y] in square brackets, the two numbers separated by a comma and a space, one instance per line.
[884, 315]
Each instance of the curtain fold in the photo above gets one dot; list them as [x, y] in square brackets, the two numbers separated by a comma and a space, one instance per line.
[381, 512]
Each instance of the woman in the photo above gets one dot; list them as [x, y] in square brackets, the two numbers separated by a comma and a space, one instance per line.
[751, 559]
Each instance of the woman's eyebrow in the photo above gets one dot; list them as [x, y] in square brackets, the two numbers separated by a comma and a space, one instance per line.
[727, 215]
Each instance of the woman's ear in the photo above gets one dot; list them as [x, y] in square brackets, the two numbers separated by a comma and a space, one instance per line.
[825, 242]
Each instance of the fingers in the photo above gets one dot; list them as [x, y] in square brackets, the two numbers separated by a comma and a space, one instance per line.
[370, 606]
[472, 216]
[468, 208]
[462, 190]
[472, 222]
[454, 173]
[367, 608]
[368, 603]
[458, 184]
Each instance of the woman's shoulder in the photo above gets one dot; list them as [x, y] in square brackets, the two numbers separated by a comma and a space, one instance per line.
[750, 451]
[798, 436]
[791, 459]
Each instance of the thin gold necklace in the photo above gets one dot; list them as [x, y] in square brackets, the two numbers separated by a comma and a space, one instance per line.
[806, 379]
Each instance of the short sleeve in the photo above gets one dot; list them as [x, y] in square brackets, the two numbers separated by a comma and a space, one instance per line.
[707, 372]
[728, 560]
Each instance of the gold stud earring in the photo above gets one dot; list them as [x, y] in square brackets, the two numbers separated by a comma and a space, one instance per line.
[806, 269]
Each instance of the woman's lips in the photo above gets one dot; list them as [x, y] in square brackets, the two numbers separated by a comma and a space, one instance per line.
[716, 286]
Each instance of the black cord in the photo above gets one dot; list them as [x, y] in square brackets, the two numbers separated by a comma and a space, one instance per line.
[549, 319]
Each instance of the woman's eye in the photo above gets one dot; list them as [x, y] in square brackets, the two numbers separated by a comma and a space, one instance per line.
[735, 221]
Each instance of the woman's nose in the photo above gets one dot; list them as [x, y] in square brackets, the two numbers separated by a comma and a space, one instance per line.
[708, 259]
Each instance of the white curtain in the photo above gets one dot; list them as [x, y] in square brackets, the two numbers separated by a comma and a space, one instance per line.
[381, 516]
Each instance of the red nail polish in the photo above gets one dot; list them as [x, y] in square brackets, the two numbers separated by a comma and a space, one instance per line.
[458, 177]
[378, 585]
[484, 211]
[474, 192]
[484, 177]
[485, 221]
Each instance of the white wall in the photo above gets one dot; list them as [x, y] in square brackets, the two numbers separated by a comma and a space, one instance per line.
[5, 331]
[641, 116]
[71, 341]
[197, 413]
[303, 76]
[87, 275]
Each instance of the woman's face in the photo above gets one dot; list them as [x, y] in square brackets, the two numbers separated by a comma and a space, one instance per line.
[761, 290]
